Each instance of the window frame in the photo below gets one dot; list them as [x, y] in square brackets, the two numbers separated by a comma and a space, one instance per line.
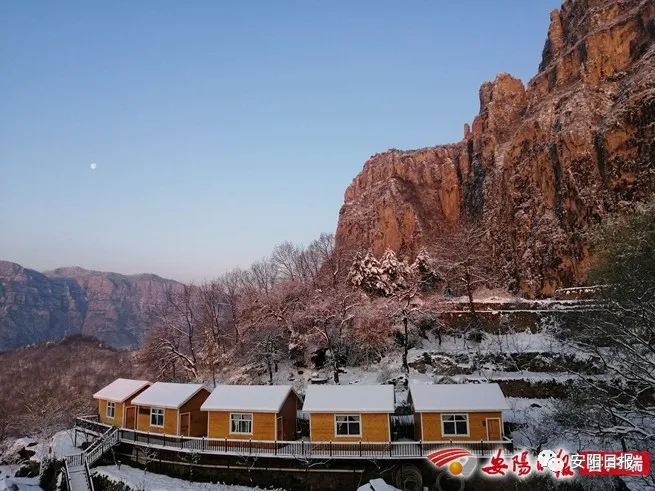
[163, 416]
[112, 405]
[347, 423]
[249, 418]
[454, 422]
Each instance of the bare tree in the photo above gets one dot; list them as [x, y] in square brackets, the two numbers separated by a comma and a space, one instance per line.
[215, 316]
[283, 305]
[406, 306]
[263, 275]
[466, 258]
[371, 330]
[332, 317]
[285, 258]
[45, 415]
[268, 345]
[179, 337]
[231, 286]
[6, 420]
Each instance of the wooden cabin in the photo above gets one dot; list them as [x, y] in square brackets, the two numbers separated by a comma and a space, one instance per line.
[115, 405]
[349, 413]
[458, 412]
[173, 409]
[252, 412]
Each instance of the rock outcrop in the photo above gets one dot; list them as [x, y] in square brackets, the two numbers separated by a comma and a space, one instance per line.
[537, 165]
[37, 307]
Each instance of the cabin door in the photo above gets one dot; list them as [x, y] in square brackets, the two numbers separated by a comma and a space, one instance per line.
[280, 428]
[185, 424]
[493, 429]
[130, 417]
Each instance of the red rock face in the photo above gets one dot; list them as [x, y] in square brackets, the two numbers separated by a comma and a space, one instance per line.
[538, 165]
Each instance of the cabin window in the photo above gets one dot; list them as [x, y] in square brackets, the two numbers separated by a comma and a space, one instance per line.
[241, 423]
[455, 424]
[348, 425]
[157, 417]
[111, 410]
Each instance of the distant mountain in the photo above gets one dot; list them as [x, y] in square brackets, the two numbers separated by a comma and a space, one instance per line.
[37, 307]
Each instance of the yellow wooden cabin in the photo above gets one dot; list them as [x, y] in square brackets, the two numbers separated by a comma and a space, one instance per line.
[458, 412]
[115, 405]
[173, 409]
[252, 412]
[349, 413]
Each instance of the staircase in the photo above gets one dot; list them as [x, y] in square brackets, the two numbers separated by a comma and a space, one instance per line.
[77, 473]
[77, 466]
[102, 445]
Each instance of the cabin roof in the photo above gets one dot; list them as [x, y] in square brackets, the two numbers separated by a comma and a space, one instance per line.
[120, 390]
[258, 398]
[167, 395]
[349, 398]
[457, 397]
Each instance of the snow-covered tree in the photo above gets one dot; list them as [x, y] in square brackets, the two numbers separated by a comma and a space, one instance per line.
[384, 277]
[365, 273]
[429, 279]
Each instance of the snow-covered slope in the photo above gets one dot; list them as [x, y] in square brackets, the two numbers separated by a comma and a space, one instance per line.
[138, 479]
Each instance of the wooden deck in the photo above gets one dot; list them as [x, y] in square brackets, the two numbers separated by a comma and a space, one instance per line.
[299, 450]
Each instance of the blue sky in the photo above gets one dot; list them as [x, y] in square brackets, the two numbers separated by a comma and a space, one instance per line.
[220, 128]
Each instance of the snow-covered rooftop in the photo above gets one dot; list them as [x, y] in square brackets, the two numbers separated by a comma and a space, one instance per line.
[457, 397]
[346, 398]
[121, 390]
[166, 394]
[258, 398]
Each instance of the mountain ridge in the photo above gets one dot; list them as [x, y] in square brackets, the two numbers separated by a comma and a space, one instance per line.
[36, 307]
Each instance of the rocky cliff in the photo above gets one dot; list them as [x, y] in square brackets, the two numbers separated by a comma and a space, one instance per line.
[539, 164]
[37, 307]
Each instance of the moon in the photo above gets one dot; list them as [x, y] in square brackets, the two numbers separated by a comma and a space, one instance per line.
[93, 166]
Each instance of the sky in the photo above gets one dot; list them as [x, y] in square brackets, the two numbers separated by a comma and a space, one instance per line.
[222, 128]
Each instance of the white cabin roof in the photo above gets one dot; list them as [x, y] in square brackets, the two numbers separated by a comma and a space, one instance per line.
[167, 395]
[457, 397]
[256, 398]
[120, 390]
[349, 398]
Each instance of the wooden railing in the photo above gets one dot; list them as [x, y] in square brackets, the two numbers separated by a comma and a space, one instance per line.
[292, 449]
[102, 445]
[75, 460]
[78, 464]
[87, 473]
[68, 474]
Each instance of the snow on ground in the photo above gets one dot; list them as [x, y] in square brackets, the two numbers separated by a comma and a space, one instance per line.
[62, 444]
[517, 342]
[492, 376]
[19, 444]
[147, 481]
[390, 366]
[10, 483]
